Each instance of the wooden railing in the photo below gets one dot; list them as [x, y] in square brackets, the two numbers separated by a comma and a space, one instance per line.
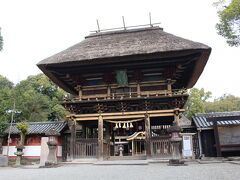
[142, 94]
[161, 147]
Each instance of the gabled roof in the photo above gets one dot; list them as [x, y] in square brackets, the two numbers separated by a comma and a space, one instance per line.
[40, 127]
[201, 119]
[184, 122]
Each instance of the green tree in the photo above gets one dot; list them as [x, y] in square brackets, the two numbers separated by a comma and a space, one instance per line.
[5, 83]
[1, 41]
[227, 102]
[229, 17]
[38, 99]
[6, 101]
[196, 100]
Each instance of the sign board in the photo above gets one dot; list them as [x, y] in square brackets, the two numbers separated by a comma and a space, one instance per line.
[187, 146]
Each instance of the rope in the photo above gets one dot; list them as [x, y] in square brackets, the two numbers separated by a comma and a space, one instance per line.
[129, 121]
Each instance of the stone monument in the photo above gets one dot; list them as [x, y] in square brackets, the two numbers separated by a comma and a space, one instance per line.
[52, 146]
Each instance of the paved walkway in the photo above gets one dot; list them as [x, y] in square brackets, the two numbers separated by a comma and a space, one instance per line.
[195, 171]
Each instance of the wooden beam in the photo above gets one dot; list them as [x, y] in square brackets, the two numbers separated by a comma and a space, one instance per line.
[122, 117]
[125, 113]
[100, 137]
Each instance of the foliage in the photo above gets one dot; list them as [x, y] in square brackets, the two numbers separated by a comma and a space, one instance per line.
[22, 127]
[3, 126]
[1, 41]
[196, 100]
[198, 103]
[5, 83]
[37, 99]
[226, 102]
[6, 101]
[229, 25]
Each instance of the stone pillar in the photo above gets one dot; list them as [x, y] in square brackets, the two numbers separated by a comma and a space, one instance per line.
[52, 146]
[100, 137]
[148, 135]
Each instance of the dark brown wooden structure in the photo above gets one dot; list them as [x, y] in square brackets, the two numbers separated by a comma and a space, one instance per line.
[219, 133]
[127, 87]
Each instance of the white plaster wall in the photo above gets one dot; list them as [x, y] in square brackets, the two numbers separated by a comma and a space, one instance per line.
[29, 151]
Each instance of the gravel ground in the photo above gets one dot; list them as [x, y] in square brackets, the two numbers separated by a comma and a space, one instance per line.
[214, 171]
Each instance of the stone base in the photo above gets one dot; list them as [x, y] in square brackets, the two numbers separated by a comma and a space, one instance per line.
[3, 161]
[49, 164]
[176, 162]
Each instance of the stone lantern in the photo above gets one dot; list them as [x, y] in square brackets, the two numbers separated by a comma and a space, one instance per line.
[120, 149]
[52, 146]
[175, 144]
[19, 154]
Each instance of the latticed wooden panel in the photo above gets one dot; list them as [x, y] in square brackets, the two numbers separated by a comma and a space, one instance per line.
[161, 147]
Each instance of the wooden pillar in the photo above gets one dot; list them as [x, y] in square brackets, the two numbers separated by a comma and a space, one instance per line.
[107, 138]
[169, 86]
[72, 138]
[79, 89]
[133, 149]
[216, 135]
[148, 135]
[100, 137]
[138, 90]
[109, 92]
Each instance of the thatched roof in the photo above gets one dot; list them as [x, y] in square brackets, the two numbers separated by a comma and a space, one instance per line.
[135, 45]
[123, 43]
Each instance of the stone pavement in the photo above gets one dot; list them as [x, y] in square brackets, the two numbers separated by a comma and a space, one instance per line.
[193, 171]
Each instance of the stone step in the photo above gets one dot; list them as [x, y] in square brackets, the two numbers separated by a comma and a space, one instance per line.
[122, 162]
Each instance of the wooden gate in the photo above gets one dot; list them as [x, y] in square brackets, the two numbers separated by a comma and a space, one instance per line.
[85, 148]
[160, 146]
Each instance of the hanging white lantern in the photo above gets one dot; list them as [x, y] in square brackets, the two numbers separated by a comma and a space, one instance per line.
[119, 125]
[124, 126]
[116, 126]
[131, 125]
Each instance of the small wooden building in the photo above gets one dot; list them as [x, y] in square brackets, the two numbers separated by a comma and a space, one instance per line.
[34, 139]
[218, 133]
[128, 86]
